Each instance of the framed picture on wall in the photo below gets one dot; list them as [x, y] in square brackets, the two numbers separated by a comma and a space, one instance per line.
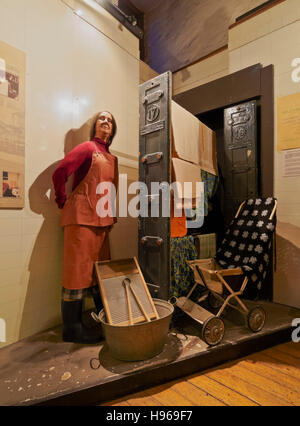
[12, 126]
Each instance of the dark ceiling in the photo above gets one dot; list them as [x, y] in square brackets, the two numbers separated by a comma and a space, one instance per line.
[147, 5]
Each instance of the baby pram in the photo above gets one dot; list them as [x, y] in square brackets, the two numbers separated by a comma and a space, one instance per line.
[245, 251]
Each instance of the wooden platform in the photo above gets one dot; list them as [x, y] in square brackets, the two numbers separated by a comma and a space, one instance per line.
[43, 370]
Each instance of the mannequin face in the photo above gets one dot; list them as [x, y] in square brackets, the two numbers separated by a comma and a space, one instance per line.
[104, 126]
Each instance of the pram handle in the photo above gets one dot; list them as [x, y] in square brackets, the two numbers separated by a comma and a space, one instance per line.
[238, 212]
[274, 210]
[270, 218]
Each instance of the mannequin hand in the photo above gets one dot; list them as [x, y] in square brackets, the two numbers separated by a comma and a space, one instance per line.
[60, 202]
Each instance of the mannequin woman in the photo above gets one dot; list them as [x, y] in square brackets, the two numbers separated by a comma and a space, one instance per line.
[85, 231]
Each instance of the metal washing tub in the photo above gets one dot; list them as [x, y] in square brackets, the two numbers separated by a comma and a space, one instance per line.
[142, 341]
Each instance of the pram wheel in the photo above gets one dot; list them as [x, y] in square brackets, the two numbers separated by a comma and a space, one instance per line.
[213, 331]
[173, 300]
[256, 318]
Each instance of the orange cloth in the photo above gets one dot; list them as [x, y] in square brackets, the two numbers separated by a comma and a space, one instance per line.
[178, 224]
[81, 207]
[178, 227]
[83, 246]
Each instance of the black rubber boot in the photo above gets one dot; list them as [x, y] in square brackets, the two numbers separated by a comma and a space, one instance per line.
[98, 302]
[73, 328]
[99, 306]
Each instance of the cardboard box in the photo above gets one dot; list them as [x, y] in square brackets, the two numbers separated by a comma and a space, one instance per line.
[192, 140]
[184, 172]
[186, 132]
[208, 150]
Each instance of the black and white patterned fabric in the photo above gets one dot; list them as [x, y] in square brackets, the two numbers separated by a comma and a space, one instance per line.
[248, 241]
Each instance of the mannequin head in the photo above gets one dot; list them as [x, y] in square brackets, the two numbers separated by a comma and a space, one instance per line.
[104, 127]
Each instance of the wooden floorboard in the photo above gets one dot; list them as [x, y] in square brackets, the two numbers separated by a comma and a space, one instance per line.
[196, 395]
[166, 395]
[220, 391]
[254, 384]
[290, 349]
[246, 388]
[276, 365]
[117, 402]
[284, 362]
[259, 366]
[267, 378]
[142, 399]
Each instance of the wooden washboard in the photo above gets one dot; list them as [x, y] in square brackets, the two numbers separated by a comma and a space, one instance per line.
[111, 275]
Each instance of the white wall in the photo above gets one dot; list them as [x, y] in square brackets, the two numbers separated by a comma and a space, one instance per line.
[202, 72]
[75, 66]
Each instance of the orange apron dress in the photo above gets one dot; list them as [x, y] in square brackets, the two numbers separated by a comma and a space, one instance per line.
[85, 233]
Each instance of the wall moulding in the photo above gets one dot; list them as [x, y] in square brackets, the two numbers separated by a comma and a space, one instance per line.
[257, 11]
